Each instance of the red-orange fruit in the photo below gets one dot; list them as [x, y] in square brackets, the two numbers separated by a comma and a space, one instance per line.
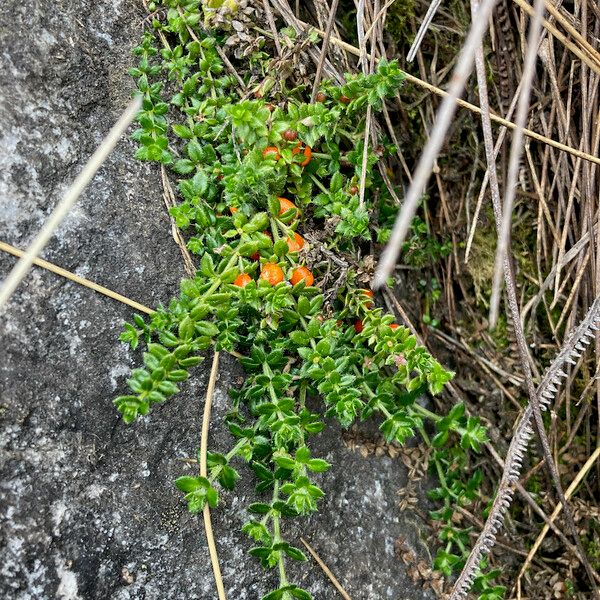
[296, 243]
[285, 205]
[242, 280]
[271, 152]
[305, 150]
[302, 274]
[272, 273]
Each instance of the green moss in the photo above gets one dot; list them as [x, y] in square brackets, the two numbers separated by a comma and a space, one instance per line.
[397, 24]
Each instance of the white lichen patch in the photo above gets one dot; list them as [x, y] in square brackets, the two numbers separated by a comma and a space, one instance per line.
[67, 586]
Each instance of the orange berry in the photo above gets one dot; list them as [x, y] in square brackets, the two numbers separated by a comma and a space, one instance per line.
[233, 209]
[285, 205]
[271, 152]
[296, 243]
[370, 294]
[305, 150]
[302, 274]
[242, 280]
[394, 326]
[358, 326]
[272, 273]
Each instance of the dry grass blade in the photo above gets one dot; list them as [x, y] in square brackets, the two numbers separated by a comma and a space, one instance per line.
[325, 45]
[433, 6]
[210, 539]
[515, 156]
[433, 146]
[170, 202]
[89, 284]
[326, 570]
[64, 206]
[538, 542]
[76, 279]
[271, 21]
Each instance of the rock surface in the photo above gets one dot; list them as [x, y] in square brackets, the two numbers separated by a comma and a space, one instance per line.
[87, 507]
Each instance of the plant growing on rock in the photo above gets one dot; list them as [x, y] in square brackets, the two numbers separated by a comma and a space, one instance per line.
[264, 289]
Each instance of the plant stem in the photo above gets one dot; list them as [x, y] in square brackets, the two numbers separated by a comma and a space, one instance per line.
[425, 412]
[277, 538]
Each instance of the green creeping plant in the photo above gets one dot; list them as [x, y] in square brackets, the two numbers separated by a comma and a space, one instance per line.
[293, 342]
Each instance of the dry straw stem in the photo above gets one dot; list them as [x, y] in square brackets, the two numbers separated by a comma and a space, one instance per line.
[89, 284]
[535, 30]
[511, 469]
[210, 539]
[324, 47]
[569, 492]
[80, 280]
[422, 172]
[464, 104]
[590, 59]
[170, 201]
[433, 6]
[62, 208]
[326, 570]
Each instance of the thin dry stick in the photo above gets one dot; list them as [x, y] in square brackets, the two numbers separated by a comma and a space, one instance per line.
[326, 570]
[487, 536]
[80, 280]
[62, 208]
[271, 21]
[212, 549]
[89, 284]
[463, 103]
[170, 201]
[360, 14]
[435, 4]
[324, 47]
[566, 25]
[569, 492]
[535, 30]
[433, 146]
[583, 56]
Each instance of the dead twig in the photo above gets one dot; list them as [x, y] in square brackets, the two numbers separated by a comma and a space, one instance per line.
[210, 539]
[77, 279]
[326, 570]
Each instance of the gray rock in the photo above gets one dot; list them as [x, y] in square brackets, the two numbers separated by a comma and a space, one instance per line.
[88, 508]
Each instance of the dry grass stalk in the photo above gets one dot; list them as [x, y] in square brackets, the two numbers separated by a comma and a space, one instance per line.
[61, 210]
